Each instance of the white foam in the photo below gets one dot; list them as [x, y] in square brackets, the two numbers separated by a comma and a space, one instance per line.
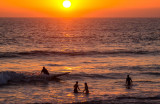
[7, 76]
[11, 76]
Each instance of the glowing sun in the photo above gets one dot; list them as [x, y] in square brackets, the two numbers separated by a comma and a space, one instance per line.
[67, 4]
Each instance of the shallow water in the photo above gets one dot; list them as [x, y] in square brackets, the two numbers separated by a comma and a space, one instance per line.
[100, 52]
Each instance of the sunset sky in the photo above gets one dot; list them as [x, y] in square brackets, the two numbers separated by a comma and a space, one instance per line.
[80, 8]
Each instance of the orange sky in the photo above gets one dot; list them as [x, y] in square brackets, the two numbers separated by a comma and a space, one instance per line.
[80, 8]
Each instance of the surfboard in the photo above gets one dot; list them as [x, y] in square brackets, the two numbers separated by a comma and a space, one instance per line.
[58, 75]
[53, 76]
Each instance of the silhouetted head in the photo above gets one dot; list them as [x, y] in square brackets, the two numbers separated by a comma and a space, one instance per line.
[76, 82]
[127, 75]
[85, 83]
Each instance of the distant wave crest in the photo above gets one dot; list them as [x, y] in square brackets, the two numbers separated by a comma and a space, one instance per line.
[52, 53]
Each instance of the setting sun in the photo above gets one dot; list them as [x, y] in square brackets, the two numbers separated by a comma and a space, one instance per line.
[66, 4]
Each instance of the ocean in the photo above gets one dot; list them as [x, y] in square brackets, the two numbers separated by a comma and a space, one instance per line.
[99, 51]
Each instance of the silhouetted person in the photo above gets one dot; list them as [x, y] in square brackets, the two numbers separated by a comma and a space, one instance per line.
[76, 87]
[128, 80]
[86, 88]
[45, 71]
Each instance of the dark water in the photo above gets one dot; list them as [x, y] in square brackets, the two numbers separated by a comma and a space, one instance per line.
[100, 52]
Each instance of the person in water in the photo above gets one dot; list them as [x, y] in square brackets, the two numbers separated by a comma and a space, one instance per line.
[128, 80]
[76, 87]
[44, 71]
[86, 88]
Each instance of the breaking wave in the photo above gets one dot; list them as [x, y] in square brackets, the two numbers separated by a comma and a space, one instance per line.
[7, 77]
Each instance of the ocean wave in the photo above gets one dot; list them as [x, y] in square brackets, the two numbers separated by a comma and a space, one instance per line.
[139, 68]
[84, 75]
[96, 76]
[7, 77]
[139, 98]
[11, 76]
[49, 53]
[8, 55]
[152, 73]
[85, 53]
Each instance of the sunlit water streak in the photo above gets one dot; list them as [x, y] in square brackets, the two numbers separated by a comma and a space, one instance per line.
[100, 52]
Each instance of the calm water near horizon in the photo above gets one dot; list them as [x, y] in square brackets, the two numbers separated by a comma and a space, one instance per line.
[101, 52]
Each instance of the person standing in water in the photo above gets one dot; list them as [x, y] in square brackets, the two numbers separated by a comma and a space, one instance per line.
[128, 80]
[86, 88]
[76, 87]
[44, 71]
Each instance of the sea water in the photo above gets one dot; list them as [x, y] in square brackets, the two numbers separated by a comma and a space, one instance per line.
[99, 51]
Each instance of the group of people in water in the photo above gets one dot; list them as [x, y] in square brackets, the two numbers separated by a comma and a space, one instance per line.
[76, 86]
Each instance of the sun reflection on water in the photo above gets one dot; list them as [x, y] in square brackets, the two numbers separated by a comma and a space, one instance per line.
[69, 35]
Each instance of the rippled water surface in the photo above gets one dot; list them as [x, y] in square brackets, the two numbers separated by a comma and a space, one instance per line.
[100, 52]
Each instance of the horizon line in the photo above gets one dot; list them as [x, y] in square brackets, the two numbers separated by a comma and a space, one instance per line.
[78, 17]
